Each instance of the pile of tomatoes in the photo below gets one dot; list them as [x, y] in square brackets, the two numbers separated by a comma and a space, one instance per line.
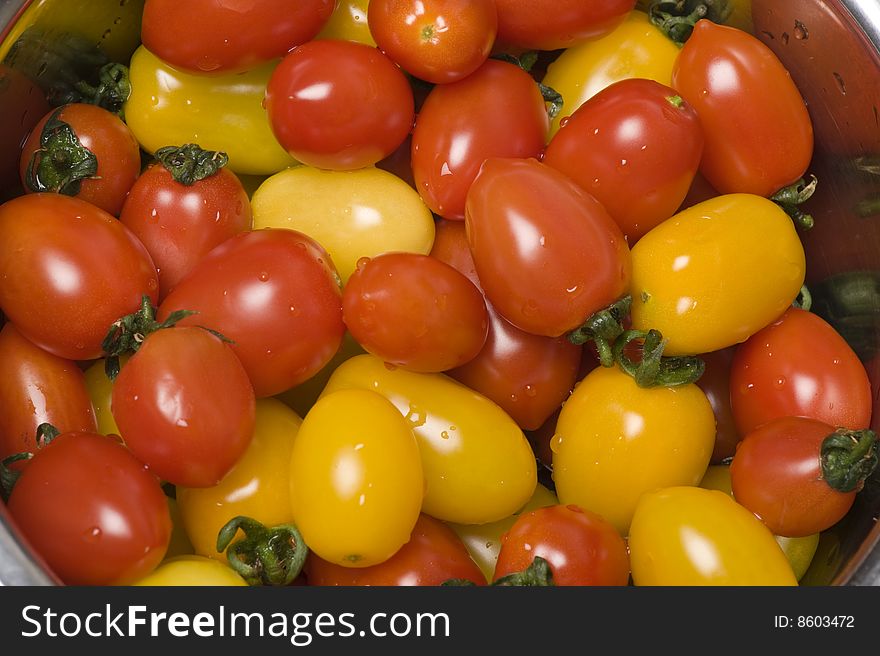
[324, 288]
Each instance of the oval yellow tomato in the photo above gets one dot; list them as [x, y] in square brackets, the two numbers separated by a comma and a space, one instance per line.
[257, 487]
[635, 48]
[716, 273]
[356, 483]
[693, 536]
[352, 214]
[615, 441]
[478, 465]
[168, 107]
[191, 570]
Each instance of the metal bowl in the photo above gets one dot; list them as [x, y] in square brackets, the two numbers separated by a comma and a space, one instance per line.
[831, 48]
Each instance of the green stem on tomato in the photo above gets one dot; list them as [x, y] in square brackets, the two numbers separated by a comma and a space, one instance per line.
[655, 369]
[538, 574]
[676, 18]
[602, 328]
[264, 556]
[804, 299]
[112, 90]
[848, 457]
[61, 162]
[791, 197]
[190, 163]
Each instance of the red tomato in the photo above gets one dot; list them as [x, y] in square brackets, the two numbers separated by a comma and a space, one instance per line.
[276, 294]
[547, 254]
[553, 24]
[92, 511]
[635, 146]
[434, 554]
[184, 406]
[529, 376]
[210, 36]
[84, 151]
[758, 133]
[69, 271]
[415, 311]
[715, 383]
[799, 366]
[580, 547]
[497, 111]
[339, 105]
[37, 387]
[179, 224]
[439, 41]
[778, 474]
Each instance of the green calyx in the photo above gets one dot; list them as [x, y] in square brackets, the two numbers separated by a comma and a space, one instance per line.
[848, 457]
[264, 556]
[111, 91]
[603, 328]
[791, 197]
[538, 574]
[45, 433]
[654, 369]
[61, 162]
[190, 163]
[676, 18]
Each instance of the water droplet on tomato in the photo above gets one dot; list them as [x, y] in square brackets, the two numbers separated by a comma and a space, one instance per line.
[362, 262]
[779, 382]
[93, 533]
[564, 121]
[264, 277]
[531, 391]
[555, 443]
[182, 423]
[444, 435]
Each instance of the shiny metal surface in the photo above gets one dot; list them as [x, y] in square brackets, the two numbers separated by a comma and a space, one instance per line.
[831, 48]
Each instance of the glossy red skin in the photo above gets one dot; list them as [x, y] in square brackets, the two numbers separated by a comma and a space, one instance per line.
[633, 149]
[497, 111]
[92, 511]
[113, 144]
[184, 406]
[776, 473]
[759, 137]
[527, 375]
[799, 366]
[439, 41]
[534, 235]
[339, 105]
[415, 311]
[580, 547]
[434, 554]
[37, 387]
[180, 224]
[553, 24]
[69, 271]
[715, 383]
[220, 43]
[274, 293]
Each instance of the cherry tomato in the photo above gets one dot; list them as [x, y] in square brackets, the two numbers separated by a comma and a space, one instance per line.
[433, 554]
[528, 375]
[547, 253]
[635, 147]
[759, 137]
[184, 406]
[37, 387]
[91, 510]
[84, 151]
[415, 311]
[580, 547]
[781, 474]
[275, 294]
[716, 273]
[339, 105]
[69, 271]
[190, 571]
[497, 111]
[692, 536]
[439, 41]
[356, 481]
[799, 366]
[180, 223]
[554, 24]
[715, 383]
[230, 36]
[616, 441]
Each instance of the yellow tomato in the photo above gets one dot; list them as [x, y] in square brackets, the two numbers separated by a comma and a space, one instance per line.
[100, 389]
[716, 273]
[483, 541]
[798, 551]
[217, 112]
[348, 21]
[636, 48]
[615, 441]
[257, 487]
[356, 481]
[693, 536]
[192, 570]
[352, 214]
[478, 465]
